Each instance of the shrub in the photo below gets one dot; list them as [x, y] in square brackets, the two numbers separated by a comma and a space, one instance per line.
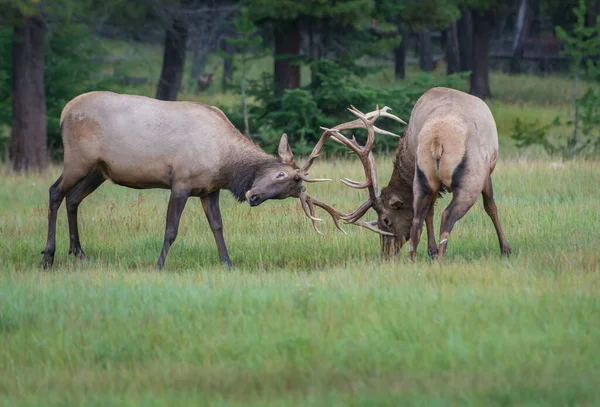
[301, 112]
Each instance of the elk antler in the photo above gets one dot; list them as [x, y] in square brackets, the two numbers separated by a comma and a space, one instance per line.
[365, 121]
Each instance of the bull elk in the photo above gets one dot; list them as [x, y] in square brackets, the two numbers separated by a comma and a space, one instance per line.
[191, 149]
[451, 145]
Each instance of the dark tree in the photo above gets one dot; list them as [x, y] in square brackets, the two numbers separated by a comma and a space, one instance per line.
[452, 49]
[287, 46]
[524, 18]
[400, 57]
[28, 149]
[425, 51]
[227, 77]
[464, 30]
[483, 24]
[173, 61]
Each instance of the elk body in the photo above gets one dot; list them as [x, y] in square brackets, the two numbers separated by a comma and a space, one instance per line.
[190, 148]
[451, 144]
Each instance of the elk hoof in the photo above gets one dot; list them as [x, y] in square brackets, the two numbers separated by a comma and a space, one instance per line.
[433, 253]
[47, 261]
[506, 250]
[78, 252]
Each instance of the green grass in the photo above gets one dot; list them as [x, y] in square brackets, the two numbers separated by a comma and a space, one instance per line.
[304, 319]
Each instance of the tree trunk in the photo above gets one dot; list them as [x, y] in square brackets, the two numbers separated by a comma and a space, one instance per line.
[227, 78]
[521, 31]
[592, 13]
[452, 50]
[400, 57]
[425, 52]
[483, 23]
[464, 30]
[28, 143]
[173, 61]
[287, 45]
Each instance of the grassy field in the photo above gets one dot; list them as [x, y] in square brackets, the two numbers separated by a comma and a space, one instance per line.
[304, 319]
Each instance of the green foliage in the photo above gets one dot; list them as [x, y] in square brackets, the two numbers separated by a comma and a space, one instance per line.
[69, 71]
[301, 112]
[582, 44]
[352, 11]
[589, 114]
[533, 133]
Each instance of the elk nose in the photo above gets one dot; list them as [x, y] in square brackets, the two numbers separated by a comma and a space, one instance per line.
[254, 200]
[386, 221]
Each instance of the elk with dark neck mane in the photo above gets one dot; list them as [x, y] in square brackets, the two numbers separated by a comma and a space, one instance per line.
[189, 148]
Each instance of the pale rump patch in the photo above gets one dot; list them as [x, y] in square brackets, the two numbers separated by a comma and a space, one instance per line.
[441, 147]
[81, 126]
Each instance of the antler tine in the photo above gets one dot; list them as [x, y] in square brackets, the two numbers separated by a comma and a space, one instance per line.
[384, 113]
[355, 184]
[308, 203]
[371, 226]
[335, 215]
[313, 155]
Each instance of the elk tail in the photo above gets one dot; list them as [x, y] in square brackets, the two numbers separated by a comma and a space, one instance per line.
[437, 149]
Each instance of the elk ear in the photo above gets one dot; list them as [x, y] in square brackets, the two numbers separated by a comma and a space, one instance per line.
[284, 151]
[395, 202]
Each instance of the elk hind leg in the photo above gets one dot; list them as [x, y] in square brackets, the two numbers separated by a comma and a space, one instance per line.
[492, 210]
[431, 244]
[57, 193]
[458, 207]
[78, 193]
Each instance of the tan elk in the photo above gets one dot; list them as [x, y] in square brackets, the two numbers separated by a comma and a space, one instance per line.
[190, 148]
[451, 144]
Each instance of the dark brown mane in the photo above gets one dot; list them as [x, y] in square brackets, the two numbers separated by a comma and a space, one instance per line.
[239, 176]
[403, 174]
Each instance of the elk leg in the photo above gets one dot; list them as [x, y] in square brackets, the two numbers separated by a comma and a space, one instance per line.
[57, 193]
[78, 193]
[432, 246]
[56, 196]
[210, 204]
[490, 207]
[177, 203]
[422, 203]
[458, 207]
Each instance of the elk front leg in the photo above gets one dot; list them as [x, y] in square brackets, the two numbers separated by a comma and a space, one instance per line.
[432, 246]
[490, 207]
[458, 207]
[177, 202]
[210, 204]
[421, 206]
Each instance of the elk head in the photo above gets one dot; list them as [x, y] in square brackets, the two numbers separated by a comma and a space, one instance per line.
[281, 179]
[364, 121]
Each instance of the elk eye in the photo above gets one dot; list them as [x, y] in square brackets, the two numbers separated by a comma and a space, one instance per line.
[281, 174]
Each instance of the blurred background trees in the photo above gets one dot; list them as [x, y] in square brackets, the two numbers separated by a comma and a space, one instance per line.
[283, 65]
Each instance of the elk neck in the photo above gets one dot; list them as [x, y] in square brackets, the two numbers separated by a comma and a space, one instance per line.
[243, 165]
[403, 173]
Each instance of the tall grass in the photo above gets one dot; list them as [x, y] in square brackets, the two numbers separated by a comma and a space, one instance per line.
[304, 319]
